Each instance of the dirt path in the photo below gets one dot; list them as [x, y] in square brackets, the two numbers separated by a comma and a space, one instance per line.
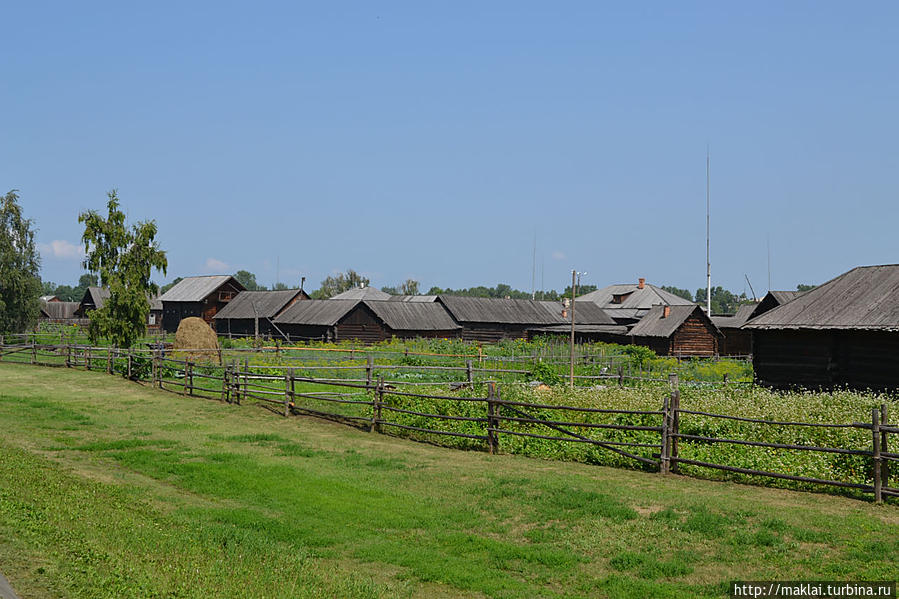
[6, 591]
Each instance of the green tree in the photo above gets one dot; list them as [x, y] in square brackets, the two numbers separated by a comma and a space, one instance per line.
[20, 263]
[410, 287]
[803, 287]
[247, 279]
[679, 292]
[124, 260]
[339, 283]
[723, 301]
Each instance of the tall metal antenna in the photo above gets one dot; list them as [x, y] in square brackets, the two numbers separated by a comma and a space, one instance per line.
[708, 211]
[534, 268]
[768, 241]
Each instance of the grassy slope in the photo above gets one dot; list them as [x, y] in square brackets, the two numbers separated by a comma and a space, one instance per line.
[112, 489]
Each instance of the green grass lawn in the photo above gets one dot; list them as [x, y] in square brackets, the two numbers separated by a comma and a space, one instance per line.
[112, 489]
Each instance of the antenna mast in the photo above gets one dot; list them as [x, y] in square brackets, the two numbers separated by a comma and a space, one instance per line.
[534, 269]
[708, 210]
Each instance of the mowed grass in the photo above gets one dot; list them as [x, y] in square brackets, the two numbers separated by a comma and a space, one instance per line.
[112, 489]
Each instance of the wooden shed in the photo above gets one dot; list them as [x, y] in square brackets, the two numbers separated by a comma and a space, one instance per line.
[57, 311]
[251, 309]
[677, 331]
[844, 334]
[737, 341]
[317, 320]
[489, 320]
[412, 319]
[200, 296]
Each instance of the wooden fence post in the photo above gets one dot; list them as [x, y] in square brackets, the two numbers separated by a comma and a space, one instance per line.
[87, 358]
[674, 427]
[33, 352]
[884, 446]
[620, 375]
[377, 402]
[108, 360]
[246, 377]
[224, 396]
[664, 460]
[288, 399]
[878, 460]
[369, 369]
[68, 356]
[469, 371]
[492, 442]
[2, 346]
[189, 377]
[129, 363]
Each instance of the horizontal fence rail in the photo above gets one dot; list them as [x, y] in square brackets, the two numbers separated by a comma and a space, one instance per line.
[652, 438]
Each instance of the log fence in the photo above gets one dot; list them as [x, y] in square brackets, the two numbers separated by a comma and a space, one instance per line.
[377, 405]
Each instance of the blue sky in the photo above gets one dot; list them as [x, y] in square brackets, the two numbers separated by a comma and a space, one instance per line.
[433, 140]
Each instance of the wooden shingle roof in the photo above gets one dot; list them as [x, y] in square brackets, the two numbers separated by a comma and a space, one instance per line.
[497, 311]
[865, 298]
[361, 293]
[413, 316]
[268, 304]
[655, 325]
[196, 289]
[316, 312]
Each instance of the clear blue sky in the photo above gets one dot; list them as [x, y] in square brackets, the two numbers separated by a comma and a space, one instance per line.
[432, 140]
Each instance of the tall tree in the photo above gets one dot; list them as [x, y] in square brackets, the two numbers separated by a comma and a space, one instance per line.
[410, 287]
[20, 283]
[124, 259]
[339, 283]
[247, 279]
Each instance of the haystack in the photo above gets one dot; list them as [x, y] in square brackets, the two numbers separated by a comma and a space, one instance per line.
[196, 341]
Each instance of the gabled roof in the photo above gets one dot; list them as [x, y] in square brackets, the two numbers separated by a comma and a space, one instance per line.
[654, 325]
[196, 289]
[57, 310]
[865, 298]
[50, 298]
[316, 312]
[586, 313]
[772, 300]
[633, 297]
[497, 311]
[361, 293]
[96, 296]
[413, 316]
[737, 320]
[268, 304]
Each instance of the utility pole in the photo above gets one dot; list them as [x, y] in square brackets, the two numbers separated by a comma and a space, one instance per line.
[571, 365]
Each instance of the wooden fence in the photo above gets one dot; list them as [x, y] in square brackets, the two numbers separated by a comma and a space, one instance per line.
[482, 420]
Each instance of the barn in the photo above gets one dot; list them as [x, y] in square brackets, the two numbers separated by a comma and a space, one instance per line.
[201, 296]
[842, 334]
[251, 313]
[59, 312]
[490, 320]
[772, 300]
[677, 331]
[317, 320]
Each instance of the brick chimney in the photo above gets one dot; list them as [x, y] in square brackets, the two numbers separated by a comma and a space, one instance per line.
[666, 311]
[641, 283]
